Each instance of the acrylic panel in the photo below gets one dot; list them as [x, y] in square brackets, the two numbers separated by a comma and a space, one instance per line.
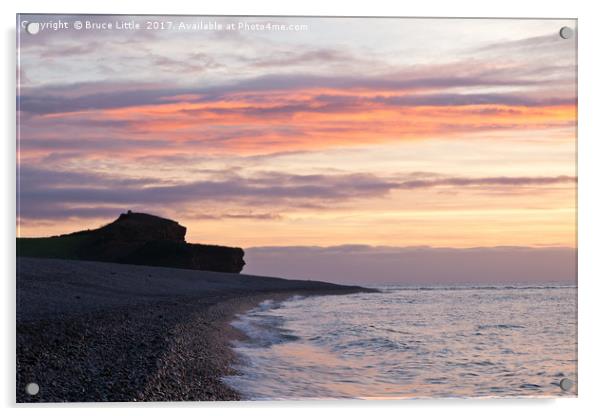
[268, 208]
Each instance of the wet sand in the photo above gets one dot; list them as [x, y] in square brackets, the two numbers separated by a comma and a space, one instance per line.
[89, 331]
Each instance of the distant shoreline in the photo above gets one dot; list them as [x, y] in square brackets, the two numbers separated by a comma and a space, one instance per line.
[90, 331]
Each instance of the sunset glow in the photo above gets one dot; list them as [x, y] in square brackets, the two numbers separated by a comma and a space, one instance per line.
[306, 138]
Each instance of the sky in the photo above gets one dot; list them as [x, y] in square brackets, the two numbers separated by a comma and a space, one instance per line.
[383, 134]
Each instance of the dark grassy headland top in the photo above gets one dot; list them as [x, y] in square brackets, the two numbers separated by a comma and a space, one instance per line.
[136, 238]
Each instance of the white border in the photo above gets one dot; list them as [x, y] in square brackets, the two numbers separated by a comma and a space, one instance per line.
[590, 207]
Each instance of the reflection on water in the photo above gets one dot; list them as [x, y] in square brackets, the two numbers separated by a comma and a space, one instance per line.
[411, 342]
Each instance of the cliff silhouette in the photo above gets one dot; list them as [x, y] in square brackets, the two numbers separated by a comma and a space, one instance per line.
[136, 238]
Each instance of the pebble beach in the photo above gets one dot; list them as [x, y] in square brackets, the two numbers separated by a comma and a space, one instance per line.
[97, 332]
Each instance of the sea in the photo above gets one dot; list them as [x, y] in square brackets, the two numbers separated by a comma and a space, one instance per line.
[411, 342]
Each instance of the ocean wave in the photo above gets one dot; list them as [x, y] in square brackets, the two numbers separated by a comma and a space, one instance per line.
[385, 345]
[499, 326]
[264, 329]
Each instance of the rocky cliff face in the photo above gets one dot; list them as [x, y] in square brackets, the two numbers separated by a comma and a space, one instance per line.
[137, 238]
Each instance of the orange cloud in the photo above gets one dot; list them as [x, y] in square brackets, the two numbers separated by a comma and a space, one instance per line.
[319, 118]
